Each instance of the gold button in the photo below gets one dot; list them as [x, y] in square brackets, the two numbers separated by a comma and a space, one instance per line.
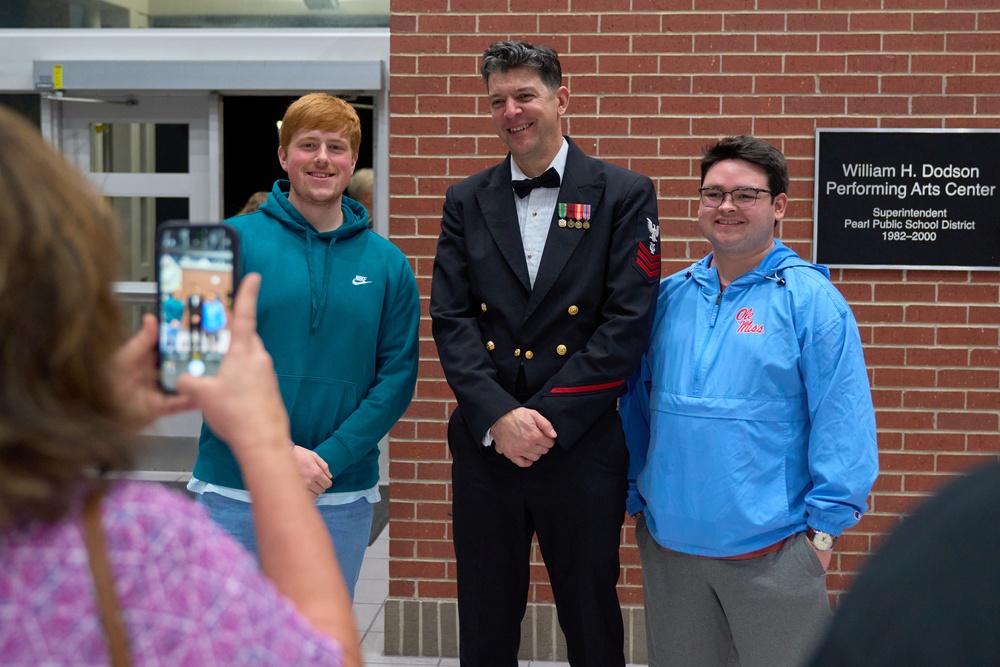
[490, 346]
[483, 306]
[572, 310]
[529, 355]
[561, 350]
[517, 352]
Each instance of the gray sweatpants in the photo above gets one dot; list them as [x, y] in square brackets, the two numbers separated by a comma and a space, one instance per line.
[770, 611]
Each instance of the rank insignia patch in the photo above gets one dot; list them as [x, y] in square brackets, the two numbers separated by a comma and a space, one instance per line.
[647, 259]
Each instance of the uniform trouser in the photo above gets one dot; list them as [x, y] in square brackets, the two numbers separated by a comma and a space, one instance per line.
[574, 500]
[773, 609]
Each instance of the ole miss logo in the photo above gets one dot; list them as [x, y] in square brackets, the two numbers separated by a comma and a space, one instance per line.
[745, 323]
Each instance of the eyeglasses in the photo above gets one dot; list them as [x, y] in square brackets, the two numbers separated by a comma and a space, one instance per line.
[742, 197]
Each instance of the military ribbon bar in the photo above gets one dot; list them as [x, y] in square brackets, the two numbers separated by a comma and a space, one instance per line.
[574, 216]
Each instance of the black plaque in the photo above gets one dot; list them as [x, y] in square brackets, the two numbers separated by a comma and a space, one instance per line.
[907, 198]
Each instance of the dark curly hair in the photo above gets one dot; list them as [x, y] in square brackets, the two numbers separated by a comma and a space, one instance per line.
[502, 57]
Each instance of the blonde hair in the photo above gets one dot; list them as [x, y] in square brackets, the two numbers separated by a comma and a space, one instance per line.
[59, 329]
[319, 111]
[253, 202]
[361, 182]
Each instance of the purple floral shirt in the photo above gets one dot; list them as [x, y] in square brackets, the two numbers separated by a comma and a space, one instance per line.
[189, 594]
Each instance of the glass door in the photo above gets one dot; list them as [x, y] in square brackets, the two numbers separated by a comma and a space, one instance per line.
[152, 157]
[156, 158]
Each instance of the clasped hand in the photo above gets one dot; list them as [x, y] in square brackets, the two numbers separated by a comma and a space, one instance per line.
[523, 435]
[314, 470]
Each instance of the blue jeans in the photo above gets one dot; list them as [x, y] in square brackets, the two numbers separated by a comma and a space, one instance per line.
[349, 526]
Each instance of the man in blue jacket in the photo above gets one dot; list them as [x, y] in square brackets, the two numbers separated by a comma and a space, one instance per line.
[751, 431]
[338, 311]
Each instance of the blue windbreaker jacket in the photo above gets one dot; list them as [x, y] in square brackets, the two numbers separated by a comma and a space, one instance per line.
[750, 415]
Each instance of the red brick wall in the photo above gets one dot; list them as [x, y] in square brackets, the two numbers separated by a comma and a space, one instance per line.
[651, 83]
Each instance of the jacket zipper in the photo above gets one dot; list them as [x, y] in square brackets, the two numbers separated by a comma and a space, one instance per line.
[712, 320]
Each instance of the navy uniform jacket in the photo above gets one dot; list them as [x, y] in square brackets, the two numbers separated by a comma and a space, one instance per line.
[580, 332]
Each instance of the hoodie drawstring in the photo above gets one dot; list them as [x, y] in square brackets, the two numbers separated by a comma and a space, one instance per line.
[325, 285]
[776, 278]
[317, 302]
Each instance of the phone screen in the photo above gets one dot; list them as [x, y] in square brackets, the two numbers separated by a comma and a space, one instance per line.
[196, 280]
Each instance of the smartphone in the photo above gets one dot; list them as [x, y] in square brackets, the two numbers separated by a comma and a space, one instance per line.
[197, 269]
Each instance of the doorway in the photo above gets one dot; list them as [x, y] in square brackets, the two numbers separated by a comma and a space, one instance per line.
[250, 143]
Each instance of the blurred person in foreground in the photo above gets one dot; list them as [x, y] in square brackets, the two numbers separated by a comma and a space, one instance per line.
[929, 595]
[751, 432]
[72, 399]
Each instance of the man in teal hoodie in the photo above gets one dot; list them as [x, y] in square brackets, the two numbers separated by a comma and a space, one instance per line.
[338, 311]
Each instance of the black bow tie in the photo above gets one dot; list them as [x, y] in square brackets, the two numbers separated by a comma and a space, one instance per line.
[550, 179]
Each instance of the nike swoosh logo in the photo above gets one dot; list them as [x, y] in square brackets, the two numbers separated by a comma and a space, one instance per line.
[360, 280]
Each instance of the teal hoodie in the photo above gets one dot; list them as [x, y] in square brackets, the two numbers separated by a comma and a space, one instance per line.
[338, 311]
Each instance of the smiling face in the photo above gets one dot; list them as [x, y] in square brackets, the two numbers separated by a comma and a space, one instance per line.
[527, 117]
[740, 237]
[319, 166]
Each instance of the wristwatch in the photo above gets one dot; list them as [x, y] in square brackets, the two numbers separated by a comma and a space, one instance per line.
[822, 541]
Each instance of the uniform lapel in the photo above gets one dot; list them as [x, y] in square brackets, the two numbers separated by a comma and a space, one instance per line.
[580, 185]
[496, 201]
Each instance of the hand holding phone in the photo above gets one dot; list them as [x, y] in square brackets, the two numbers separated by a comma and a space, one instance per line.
[135, 380]
[197, 276]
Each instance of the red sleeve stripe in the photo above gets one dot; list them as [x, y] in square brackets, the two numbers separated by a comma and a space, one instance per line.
[587, 387]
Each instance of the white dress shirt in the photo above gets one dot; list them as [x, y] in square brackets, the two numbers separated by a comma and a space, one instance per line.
[534, 216]
[534, 212]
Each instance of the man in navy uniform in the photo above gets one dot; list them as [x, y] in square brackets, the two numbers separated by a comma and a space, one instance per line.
[543, 291]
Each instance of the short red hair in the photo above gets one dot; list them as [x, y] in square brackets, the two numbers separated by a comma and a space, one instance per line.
[319, 111]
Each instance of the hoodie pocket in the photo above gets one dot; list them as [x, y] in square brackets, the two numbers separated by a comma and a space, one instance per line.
[316, 406]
